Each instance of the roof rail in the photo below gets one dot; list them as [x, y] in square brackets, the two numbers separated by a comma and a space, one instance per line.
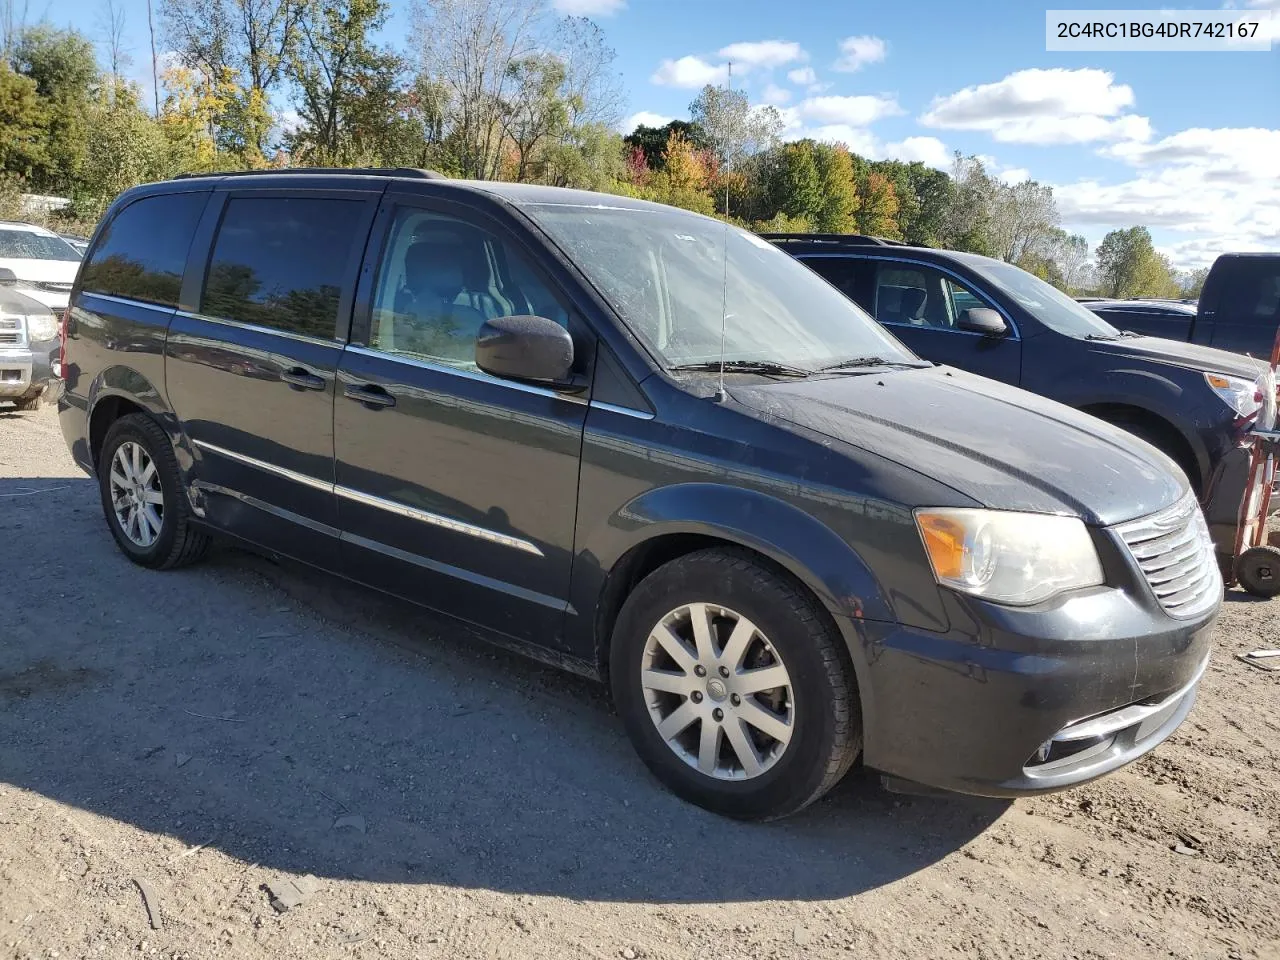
[408, 172]
[847, 239]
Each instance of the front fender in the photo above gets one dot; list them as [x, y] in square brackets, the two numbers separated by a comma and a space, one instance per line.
[811, 551]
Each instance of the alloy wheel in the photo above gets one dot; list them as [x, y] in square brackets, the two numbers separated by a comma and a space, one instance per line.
[136, 496]
[717, 691]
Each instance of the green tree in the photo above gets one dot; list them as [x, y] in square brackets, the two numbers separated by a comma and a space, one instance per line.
[735, 130]
[65, 70]
[877, 214]
[24, 126]
[836, 188]
[345, 83]
[589, 158]
[1128, 265]
[1191, 283]
[798, 186]
[245, 42]
[653, 140]
[537, 113]
[967, 224]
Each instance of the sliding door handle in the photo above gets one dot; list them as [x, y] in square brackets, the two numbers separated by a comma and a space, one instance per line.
[300, 378]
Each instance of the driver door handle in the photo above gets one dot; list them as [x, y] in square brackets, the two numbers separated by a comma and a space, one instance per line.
[370, 394]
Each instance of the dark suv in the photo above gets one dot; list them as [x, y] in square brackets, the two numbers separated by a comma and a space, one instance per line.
[643, 445]
[1195, 403]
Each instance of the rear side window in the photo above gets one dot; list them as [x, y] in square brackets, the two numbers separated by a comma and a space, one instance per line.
[1253, 291]
[143, 250]
[280, 262]
[844, 273]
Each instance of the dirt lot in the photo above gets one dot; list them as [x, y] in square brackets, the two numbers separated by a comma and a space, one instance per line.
[208, 732]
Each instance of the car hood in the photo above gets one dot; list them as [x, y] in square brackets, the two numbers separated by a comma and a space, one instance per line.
[43, 271]
[1190, 356]
[1000, 446]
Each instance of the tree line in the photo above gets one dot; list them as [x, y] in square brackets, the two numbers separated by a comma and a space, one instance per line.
[484, 89]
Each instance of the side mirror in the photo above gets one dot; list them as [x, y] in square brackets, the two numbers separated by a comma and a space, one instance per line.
[983, 320]
[532, 349]
[7, 277]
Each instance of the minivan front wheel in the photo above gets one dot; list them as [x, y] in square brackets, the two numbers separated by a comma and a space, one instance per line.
[733, 687]
[142, 496]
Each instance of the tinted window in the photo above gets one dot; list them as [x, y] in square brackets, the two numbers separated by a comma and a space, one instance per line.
[280, 262]
[142, 251]
[1253, 291]
[441, 278]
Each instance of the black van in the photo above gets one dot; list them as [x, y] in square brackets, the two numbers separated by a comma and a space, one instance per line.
[648, 447]
[1195, 403]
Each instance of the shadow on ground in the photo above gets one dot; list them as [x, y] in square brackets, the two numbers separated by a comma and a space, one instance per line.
[251, 705]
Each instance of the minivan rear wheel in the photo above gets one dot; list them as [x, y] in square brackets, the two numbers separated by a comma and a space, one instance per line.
[142, 496]
[733, 687]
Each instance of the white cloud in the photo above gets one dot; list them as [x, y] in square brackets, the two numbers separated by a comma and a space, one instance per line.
[775, 94]
[1014, 175]
[288, 121]
[690, 73]
[644, 117]
[1044, 107]
[1238, 152]
[764, 53]
[859, 111]
[928, 150]
[588, 8]
[1220, 188]
[804, 76]
[857, 52]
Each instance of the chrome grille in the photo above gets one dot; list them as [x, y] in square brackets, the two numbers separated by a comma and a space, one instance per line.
[11, 332]
[1176, 555]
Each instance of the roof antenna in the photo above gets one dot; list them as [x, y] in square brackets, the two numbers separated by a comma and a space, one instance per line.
[721, 396]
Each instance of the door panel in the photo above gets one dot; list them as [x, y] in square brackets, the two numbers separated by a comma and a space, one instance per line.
[456, 489]
[251, 373]
[922, 305]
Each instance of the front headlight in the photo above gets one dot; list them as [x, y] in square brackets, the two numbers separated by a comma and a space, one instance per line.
[42, 326]
[1267, 394]
[1013, 558]
[1241, 395]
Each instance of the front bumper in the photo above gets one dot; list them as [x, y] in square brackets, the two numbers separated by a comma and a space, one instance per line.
[993, 711]
[27, 371]
[1017, 700]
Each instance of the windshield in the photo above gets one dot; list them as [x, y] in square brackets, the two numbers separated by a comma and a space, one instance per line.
[1050, 305]
[28, 245]
[664, 271]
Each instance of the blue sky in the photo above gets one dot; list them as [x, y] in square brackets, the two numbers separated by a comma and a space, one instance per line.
[1186, 143]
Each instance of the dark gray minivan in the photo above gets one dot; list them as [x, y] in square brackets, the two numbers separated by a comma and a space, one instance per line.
[648, 447]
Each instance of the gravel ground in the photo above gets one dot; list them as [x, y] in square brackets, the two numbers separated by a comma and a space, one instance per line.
[207, 733]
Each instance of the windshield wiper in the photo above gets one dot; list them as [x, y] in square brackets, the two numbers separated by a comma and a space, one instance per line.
[1100, 336]
[857, 362]
[767, 367]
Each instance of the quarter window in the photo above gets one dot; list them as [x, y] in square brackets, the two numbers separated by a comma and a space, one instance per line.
[141, 253]
[441, 279]
[280, 262]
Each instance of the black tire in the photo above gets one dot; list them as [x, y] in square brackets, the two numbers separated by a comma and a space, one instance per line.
[178, 542]
[827, 729]
[1258, 571]
[27, 404]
